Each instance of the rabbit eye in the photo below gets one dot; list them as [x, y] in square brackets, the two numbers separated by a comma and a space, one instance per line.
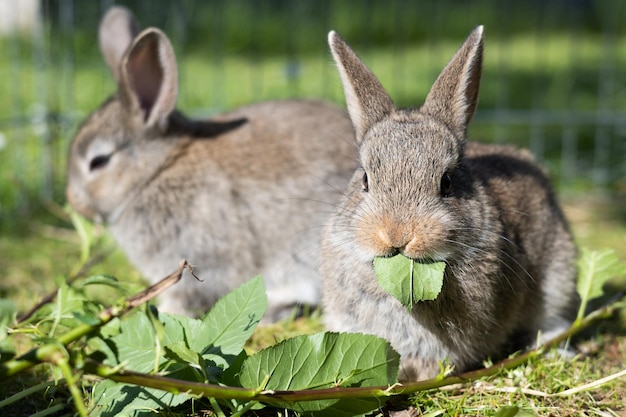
[366, 186]
[99, 162]
[446, 185]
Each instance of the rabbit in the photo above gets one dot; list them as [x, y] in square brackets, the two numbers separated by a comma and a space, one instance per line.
[243, 194]
[424, 191]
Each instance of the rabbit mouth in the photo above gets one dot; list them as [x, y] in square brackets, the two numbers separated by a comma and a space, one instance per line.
[428, 259]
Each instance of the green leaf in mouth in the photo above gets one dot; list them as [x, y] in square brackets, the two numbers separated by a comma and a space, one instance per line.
[408, 280]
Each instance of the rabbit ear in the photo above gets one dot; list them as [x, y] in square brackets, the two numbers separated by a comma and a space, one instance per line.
[366, 99]
[149, 76]
[117, 30]
[454, 95]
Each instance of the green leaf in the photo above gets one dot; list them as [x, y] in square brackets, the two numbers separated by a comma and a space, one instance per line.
[192, 349]
[408, 280]
[7, 315]
[181, 352]
[65, 312]
[595, 268]
[135, 347]
[89, 318]
[84, 229]
[324, 360]
[232, 320]
[102, 279]
[132, 400]
[134, 344]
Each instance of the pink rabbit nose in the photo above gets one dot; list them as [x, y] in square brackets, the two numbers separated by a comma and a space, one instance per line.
[393, 241]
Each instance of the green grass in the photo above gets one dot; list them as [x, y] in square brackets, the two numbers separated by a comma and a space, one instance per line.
[529, 387]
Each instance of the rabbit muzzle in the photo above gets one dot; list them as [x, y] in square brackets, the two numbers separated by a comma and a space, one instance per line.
[80, 203]
[417, 238]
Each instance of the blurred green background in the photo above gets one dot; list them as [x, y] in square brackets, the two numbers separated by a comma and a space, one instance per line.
[554, 80]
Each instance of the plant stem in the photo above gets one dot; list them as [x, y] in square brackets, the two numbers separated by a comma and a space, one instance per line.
[172, 385]
[25, 393]
[245, 409]
[216, 407]
[50, 410]
[404, 389]
[64, 365]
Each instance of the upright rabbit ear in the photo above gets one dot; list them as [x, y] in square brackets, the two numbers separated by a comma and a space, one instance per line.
[366, 99]
[117, 30]
[149, 77]
[454, 95]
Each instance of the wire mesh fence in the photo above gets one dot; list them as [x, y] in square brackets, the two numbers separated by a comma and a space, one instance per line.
[554, 77]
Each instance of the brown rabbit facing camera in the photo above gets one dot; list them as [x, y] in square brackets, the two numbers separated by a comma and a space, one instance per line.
[422, 190]
[245, 193]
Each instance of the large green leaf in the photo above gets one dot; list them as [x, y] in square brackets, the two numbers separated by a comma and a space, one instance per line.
[181, 347]
[232, 320]
[595, 268]
[408, 280]
[324, 360]
[134, 347]
[124, 400]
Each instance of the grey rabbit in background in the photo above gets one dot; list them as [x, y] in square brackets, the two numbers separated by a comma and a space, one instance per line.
[423, 190]
[242, 194]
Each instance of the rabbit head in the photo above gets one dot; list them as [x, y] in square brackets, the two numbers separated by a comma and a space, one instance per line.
[405, 202]
[132, 122]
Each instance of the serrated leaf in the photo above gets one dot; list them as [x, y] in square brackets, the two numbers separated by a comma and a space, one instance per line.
[181, 353]
[124, 400]
[135, 347]
[409, 281]
[324, 360]
[102, 279]
[188, 346]
[595, 268]
[135, 344]
[232, 319]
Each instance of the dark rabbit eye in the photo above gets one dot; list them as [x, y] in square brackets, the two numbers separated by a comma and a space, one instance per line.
[366, 186]
[99, 162]
[446, 185]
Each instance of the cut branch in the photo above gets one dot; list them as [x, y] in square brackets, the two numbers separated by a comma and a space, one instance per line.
[404, 389]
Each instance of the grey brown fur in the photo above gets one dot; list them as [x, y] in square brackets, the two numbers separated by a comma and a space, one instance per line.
[242, 194]
[487, 211]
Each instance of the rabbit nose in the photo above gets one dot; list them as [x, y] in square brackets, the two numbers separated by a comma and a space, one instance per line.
[394, 241]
